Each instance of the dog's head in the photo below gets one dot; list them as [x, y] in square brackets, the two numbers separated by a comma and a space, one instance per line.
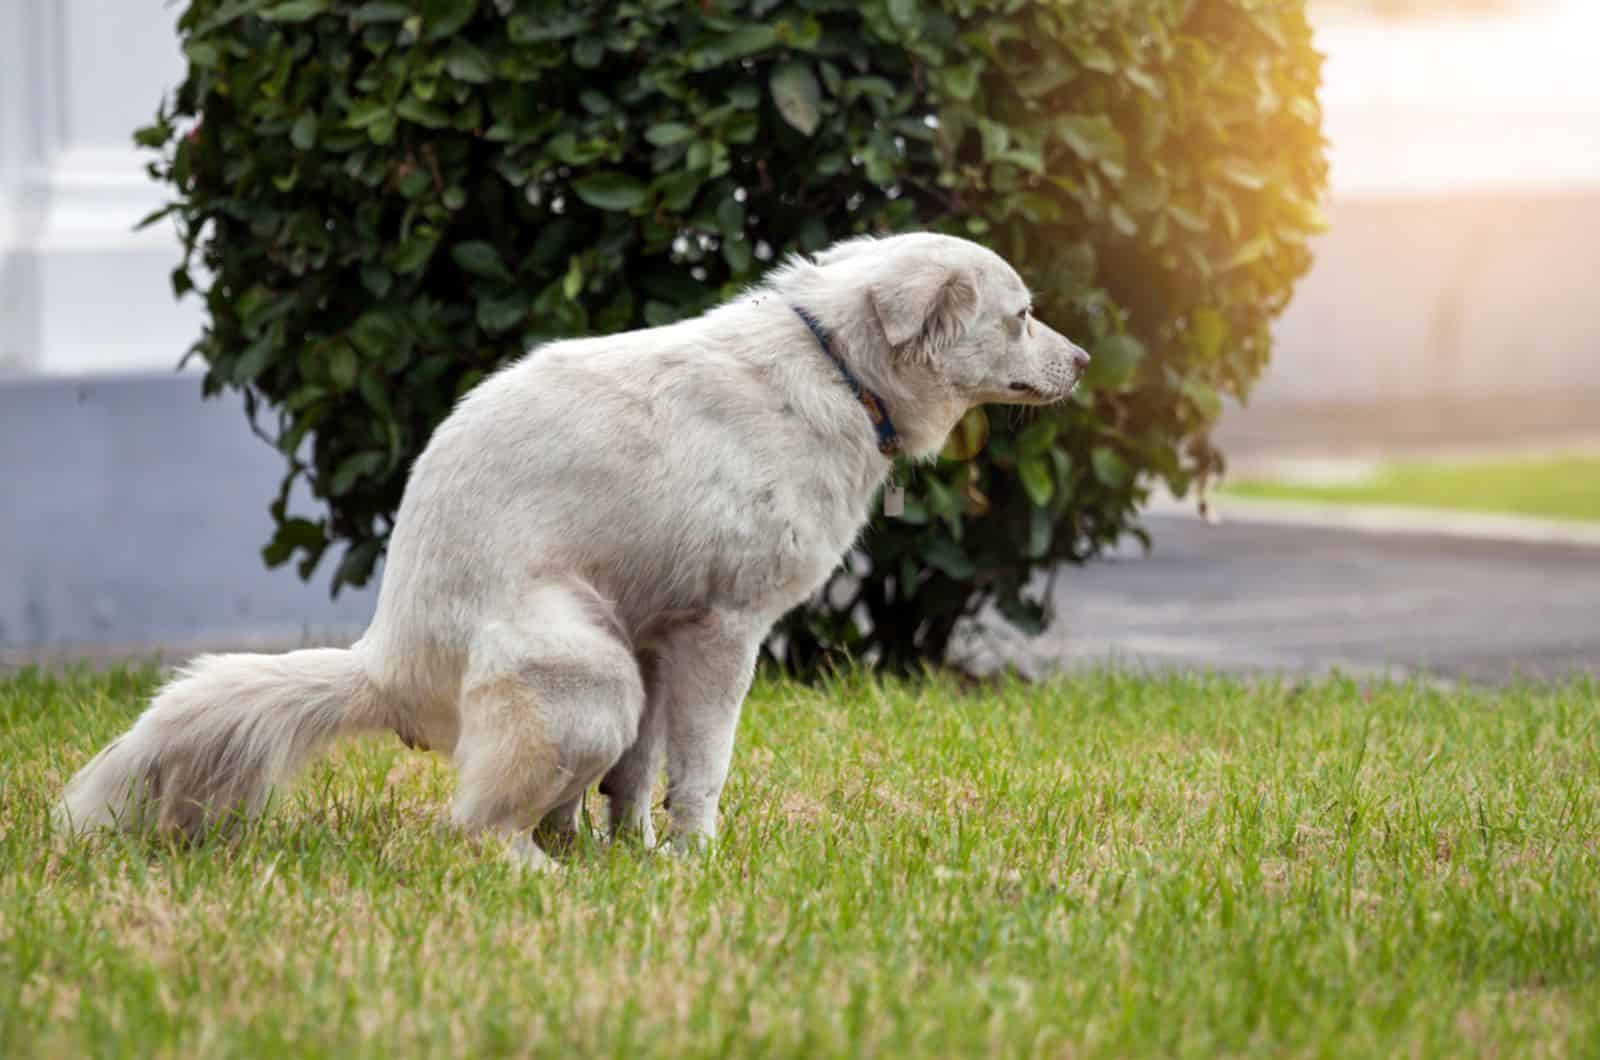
[956, 311]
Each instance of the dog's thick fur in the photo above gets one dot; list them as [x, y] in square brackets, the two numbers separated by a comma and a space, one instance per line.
[594, 543]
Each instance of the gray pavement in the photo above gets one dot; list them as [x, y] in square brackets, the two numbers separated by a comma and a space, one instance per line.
[1296, 600]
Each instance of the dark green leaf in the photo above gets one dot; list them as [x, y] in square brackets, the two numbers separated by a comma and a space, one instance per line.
[480, 259]
[906, 13]
[736, 44]
[155, 215]
[376, 394]
[1041, 529]
[295, 10]
[1037, 480]
[1109, 467]
[1114, 360]
[366, 113]
[351, 469]
[945, 555]
[380, 11]
[668, 133]
[528, 29]
[342, 366]
[377, 279]
[1095, 57]
[153, 135]
[1092, 137]
[303, 134]
[607, 190]
[291, 536]
[253, 360]
[730, 217]
[468, 63]
[441, 18]
[736, 252]
[1204, 397]
[425, 114]
[202, 54]
[1037, 438]
[414, 253]
[356, 566]
[375, 331]
[501, 313]
[415, 182]
[959, 80]
[797, 95]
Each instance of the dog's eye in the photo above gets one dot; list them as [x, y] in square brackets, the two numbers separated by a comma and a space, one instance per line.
[1022, 314]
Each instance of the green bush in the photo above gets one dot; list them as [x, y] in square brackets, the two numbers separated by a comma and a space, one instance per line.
[383, 201]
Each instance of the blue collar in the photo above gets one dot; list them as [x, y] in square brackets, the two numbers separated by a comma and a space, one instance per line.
[877, 412]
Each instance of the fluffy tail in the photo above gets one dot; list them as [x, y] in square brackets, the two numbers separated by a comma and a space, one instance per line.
[218, 738]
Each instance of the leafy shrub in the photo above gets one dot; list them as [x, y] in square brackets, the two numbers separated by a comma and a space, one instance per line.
[382, 201]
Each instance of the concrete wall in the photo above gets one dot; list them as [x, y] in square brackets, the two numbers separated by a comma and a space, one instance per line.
[133, 512]
[1465, 186]
[1446, 296]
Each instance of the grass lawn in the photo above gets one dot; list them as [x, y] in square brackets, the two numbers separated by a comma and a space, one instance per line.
[1106, 866]
[1557, 487]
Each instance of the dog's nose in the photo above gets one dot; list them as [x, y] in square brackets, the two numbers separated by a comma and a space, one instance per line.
[1080, 359]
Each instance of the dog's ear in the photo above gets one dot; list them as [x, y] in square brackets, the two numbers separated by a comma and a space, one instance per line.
[924, 308]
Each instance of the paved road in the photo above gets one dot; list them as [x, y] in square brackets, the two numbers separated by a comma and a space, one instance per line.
[1252, 597]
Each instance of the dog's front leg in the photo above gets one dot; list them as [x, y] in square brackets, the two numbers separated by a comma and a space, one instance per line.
[705, 668]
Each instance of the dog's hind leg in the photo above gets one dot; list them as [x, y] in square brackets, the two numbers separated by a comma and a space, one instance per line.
[548, 704]
[630, 785]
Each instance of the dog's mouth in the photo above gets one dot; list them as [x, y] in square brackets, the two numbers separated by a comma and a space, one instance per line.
[1028, 394]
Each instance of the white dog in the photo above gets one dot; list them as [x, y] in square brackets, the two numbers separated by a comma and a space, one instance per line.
[594, 543]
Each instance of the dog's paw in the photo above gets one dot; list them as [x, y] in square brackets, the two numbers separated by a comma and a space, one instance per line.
[634, 838]
[686, 847]
[630, 825]
[527, 856]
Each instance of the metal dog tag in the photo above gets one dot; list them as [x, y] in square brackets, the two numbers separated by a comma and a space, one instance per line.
[894, 501]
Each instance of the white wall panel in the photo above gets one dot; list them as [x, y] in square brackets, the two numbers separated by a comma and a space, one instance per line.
[80, 291]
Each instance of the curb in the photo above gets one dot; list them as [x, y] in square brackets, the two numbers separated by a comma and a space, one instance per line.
[1383, 519]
